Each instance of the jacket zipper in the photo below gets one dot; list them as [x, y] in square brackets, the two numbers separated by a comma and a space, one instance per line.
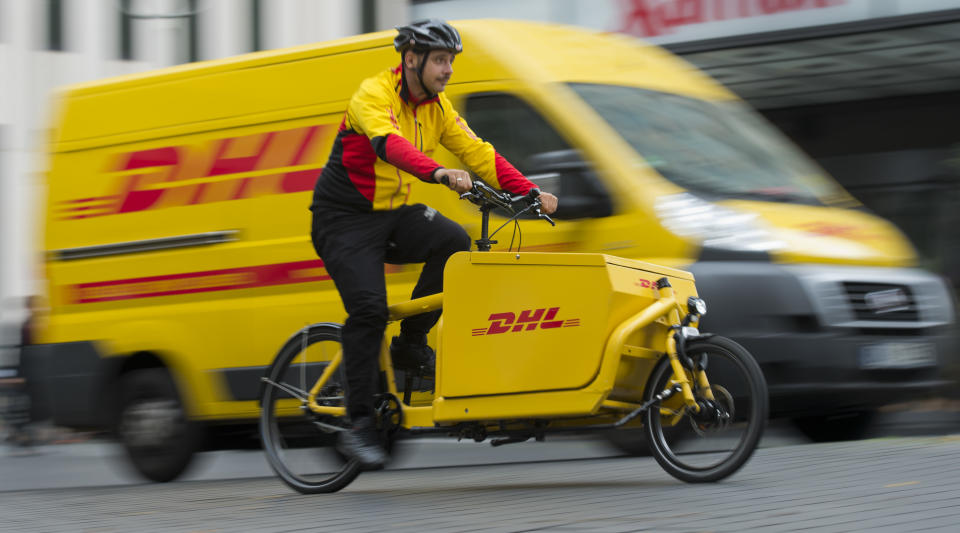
[418, 132]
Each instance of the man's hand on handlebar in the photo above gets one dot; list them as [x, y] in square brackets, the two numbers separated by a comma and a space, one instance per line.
[548, 203]
[458, 180]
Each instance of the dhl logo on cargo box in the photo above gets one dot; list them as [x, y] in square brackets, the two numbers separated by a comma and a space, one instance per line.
[217, 170]
[528, 320]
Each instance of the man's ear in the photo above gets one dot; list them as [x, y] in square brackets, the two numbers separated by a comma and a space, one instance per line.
[410, 59]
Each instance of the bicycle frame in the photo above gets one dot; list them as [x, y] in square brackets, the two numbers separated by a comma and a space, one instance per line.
[666, 309]
[396, 312]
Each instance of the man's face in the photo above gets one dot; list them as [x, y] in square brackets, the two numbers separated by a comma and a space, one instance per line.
[437, 70]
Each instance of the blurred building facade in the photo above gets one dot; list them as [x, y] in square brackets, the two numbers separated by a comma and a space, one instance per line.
[867, 87]
[45, 44]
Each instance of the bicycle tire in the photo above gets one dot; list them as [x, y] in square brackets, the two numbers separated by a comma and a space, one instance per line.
[739, 385]
[281, 447]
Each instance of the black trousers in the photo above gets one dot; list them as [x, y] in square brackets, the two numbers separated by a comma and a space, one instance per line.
[354, 248]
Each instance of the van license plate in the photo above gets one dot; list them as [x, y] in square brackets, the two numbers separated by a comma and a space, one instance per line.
[897, 355]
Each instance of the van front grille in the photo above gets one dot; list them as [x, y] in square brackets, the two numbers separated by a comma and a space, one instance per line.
[881, 301]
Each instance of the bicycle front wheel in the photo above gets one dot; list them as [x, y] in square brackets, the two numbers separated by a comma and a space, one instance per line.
[299, 444]
[712, 448]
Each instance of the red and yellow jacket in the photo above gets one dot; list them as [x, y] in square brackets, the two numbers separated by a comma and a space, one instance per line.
[385, 142]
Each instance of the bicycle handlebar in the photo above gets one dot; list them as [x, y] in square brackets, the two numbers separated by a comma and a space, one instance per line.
[485, 196]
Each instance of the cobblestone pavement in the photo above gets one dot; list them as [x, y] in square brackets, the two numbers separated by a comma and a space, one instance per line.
[886, 484]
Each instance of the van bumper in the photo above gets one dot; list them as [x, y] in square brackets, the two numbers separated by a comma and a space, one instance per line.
[815, 340]
[810, 376]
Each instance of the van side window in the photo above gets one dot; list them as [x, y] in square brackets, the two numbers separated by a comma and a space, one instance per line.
[532, 145]
[512, 126]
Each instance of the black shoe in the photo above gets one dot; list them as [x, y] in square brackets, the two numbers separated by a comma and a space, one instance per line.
[414, 357]
[362, 443]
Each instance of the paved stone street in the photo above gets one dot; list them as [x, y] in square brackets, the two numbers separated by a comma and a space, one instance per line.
[886, 484]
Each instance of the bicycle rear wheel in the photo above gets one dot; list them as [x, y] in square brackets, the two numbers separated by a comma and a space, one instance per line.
[713, 449]
[299, 444]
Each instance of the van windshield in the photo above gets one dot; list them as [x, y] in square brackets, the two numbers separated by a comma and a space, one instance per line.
[713, 148]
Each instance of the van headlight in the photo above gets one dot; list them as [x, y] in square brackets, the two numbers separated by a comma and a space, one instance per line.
[716, 226]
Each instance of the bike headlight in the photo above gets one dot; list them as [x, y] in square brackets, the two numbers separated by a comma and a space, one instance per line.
[715, 226]
[696, 306]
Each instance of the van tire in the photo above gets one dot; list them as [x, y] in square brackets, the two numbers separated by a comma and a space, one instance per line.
[153, 427]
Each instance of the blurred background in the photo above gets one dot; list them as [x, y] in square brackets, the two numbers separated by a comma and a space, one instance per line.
[869, 88]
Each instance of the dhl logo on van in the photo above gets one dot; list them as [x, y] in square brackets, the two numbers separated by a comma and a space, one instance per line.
[844, 231]
[218, 170]
[529, 319]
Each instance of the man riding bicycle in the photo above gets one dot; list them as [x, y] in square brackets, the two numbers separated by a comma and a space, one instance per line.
[361, 218]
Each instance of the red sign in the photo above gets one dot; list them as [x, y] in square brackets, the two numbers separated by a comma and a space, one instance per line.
[651, 18]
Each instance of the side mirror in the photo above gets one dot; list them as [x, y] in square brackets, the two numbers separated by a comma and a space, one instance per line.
[565, 174]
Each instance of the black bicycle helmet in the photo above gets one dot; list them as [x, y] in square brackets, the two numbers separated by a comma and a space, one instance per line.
[429, 34]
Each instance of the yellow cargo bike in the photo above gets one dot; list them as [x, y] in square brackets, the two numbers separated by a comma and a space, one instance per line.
[571, 343]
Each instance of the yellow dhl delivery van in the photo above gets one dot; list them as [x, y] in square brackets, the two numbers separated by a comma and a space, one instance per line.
[178, 259]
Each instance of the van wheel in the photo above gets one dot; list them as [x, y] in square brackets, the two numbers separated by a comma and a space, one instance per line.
[153, 426]
[839, 427]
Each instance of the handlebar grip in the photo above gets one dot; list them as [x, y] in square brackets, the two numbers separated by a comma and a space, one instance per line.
[445, 180]
[533, 196]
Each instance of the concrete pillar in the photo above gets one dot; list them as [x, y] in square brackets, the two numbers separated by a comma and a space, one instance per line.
[93, 27]
[392, 13]
[225, 28]
[292, 22]
[17, 261]
[163, 38]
